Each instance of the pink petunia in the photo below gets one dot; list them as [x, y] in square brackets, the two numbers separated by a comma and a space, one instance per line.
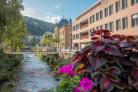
[77, 89]
[86, 84]
[67, 69]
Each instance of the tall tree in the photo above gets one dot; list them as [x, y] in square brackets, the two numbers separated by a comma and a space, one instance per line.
[2, 18]
[14, 30]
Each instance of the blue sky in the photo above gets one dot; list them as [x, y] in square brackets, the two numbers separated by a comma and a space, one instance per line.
[52, 10]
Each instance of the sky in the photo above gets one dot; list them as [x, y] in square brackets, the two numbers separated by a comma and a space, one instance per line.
[54, 10]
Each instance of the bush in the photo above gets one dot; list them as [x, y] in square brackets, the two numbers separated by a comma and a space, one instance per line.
[1, 50]
[110, 61]
[67, 84]
[108, 64]
[55, 61]
[8, 70]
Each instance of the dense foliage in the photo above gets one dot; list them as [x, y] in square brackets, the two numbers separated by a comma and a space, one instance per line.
[54, 61]
[9, 65]
[12, 28]
[108, 64]
[50, 41]
[38, 27]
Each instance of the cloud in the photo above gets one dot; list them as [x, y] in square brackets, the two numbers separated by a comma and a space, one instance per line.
[28, 12]
[48, 17]
[52, 19]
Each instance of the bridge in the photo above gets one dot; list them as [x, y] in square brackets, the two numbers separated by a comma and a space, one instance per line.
[31, 52]
[42, 52]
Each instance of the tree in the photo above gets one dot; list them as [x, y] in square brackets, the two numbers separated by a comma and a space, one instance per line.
[2, 19]
[47, 40]
[12, 25]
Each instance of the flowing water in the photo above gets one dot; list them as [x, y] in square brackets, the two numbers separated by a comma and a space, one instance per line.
[35, 76]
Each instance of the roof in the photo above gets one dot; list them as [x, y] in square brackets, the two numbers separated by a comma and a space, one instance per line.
[87, 10]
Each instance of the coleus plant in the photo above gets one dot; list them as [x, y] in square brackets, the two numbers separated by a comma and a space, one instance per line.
[110, 61]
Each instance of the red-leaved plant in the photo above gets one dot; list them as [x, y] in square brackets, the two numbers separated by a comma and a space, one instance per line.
[111, 62]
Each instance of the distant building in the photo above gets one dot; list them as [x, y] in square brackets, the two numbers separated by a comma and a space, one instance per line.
[118, 16]
[65, 36]
[63, 22]
[63, 32]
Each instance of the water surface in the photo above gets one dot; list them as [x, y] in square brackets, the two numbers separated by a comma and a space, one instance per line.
[35, 76]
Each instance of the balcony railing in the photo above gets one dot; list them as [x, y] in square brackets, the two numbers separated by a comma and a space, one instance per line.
[83, 26]
[84, 37]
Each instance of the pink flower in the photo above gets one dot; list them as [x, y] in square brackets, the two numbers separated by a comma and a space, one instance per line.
[67, 69]
[86, 84]
[77, 89]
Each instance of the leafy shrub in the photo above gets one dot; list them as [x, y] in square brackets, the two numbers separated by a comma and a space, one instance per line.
[55, 61]
[110, 61]
[67, 84]
[1, 50]
[8, 70]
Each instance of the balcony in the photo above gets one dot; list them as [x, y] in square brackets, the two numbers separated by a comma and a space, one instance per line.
[84, 24]
[84, 37]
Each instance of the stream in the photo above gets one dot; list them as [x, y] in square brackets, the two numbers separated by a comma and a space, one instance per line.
[35, 75]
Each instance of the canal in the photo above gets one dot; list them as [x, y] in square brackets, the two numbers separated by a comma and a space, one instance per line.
[34, 76]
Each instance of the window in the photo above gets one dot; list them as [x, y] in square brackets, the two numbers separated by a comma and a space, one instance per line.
[97, 16]
[90, 31]
[90, 19]
[106, 12]
[77, 26]
[118, 24]
[111, 26]
[118, 7]
[77, 36]
[97, 28]
[93, 18]
[135, 20]
[106, 26]
[110, 9]
[134, 2]
[101, 14]
[73, 28]
[124, 4]
[73, 37]
[124, 22]
[101, 26]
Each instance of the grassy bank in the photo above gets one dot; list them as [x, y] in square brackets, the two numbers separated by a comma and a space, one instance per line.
[9, 66]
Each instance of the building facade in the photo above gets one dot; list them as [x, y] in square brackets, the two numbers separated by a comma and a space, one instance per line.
[118, 16]
[65, 36]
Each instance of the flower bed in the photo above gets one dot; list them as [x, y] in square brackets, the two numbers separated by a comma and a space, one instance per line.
[108, 64]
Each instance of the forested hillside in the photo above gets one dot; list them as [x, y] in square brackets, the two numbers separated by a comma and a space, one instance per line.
[37, 27]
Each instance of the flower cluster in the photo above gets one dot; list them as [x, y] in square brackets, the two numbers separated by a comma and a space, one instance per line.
[67, 69]
[85, 85]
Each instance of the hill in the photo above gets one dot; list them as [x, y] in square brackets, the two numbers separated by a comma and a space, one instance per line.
[38, 27]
